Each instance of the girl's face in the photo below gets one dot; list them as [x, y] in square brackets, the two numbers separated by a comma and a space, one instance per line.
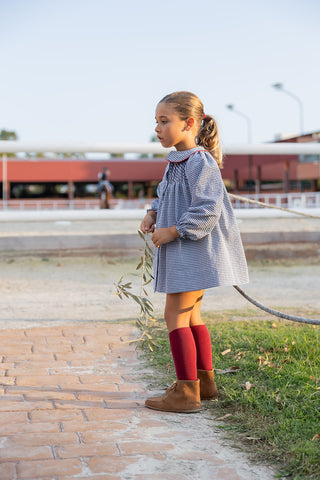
[172, 131]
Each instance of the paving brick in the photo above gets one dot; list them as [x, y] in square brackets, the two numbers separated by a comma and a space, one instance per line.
[165, 476]
[25, 406]
[94, 330]
[93, 426]
[7, 380]
[12, 417]
[107, 414]
[53, 468]
[66, 404]
[48, 380]
[92, 477]
[91, 389]
[38, 359]
[69, 340]
[7, 365]
[80, 357]
[104, 395]
[125, 404]
[17, 453]
[142, 448]
[15, 349]
[105, 436]
[98, 379]
[42, 438]
[31, 364]
[131, 387]
[14, 428]
[86, 450]
[55, 415]
[45, 395]
[25, 371]
[57, 347]
[228, 474]
[7, 471]
[110, 464]
[43, 331]
[13, 397]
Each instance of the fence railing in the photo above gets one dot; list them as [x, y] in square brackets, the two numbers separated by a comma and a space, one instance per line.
[282, 200]
[75, 204]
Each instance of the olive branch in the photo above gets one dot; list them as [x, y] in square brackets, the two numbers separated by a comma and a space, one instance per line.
[146, 321]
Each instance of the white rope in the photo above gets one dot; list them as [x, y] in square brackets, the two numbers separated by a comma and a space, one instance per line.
[292, 318]
[276, 313]
[249, 200]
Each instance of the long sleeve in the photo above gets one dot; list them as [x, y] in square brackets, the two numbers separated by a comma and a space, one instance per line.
[207, 192]
[155, 205]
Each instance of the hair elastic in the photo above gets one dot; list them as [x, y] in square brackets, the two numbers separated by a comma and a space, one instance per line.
[203, 116]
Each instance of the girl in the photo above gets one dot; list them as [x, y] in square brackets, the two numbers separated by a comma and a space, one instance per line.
[197, 242]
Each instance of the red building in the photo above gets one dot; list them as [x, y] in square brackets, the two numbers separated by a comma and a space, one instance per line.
[71, 177]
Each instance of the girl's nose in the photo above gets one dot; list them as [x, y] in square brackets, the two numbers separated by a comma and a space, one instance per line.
[156, 128]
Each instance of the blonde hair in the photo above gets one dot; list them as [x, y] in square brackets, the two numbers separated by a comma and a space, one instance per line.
[187, 105]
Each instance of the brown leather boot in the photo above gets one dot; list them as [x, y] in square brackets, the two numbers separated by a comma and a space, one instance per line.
[208, 387]
[182, 397]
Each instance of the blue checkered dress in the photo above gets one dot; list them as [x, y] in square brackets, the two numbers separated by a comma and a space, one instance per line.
[209, 251]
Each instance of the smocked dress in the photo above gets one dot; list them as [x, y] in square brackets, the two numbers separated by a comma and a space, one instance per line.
[209, 251]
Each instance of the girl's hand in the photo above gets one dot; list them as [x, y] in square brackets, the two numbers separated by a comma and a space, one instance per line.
[148, 223]
[164, 235]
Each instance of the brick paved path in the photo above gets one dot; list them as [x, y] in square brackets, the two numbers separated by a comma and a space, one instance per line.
[71, 407]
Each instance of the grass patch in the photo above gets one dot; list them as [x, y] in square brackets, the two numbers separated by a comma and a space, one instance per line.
[271, 403]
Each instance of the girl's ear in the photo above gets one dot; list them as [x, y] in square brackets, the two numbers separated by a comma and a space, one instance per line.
[190, 123]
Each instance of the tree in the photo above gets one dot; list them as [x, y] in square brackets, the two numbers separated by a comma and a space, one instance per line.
[8, 135]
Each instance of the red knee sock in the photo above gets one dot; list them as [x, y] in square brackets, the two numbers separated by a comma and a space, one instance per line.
[202, 340]
[184, 353]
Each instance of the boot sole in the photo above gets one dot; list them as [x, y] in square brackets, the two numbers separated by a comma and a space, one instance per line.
[209, 398]
[174, 411]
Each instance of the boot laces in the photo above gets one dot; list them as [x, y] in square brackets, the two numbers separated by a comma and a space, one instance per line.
[172, 388]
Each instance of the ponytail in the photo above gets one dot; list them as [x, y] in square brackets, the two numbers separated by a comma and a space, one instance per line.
[208, 137]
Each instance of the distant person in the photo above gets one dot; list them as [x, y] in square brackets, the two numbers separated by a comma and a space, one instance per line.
[104, 188]
[197, 242]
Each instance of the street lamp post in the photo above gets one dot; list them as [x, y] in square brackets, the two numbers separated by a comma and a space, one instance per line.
[249, 131]
[279, 86]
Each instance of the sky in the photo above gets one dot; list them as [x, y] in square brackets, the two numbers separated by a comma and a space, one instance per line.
[94, 70]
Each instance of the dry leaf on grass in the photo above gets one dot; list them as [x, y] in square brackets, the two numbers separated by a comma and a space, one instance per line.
[232, 369]
[226, 351]
[225, 416]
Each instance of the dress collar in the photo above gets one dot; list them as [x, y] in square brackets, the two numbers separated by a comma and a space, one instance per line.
[176, 156]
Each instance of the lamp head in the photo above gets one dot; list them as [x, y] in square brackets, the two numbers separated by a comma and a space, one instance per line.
[278, 86]
[230, 106]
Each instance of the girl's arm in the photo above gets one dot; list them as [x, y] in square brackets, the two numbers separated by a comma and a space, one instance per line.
[207, 197]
